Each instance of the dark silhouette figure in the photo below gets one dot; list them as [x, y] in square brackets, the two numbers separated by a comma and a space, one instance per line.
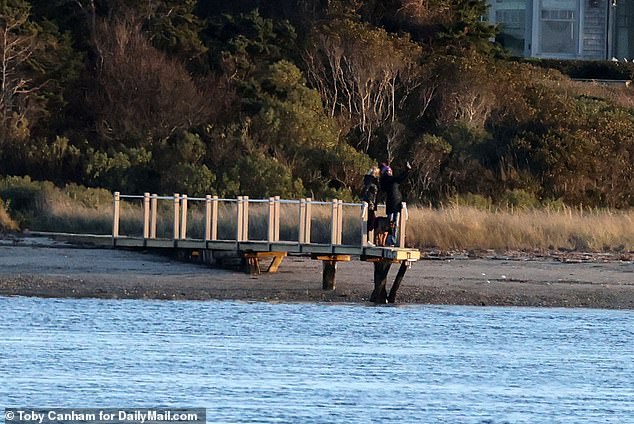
[390, 184]
[369, 194]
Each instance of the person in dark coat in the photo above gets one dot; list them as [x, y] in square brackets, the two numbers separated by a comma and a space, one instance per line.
[369, 194]
[390, 185]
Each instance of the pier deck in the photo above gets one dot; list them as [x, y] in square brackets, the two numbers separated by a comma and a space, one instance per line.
[251, 230]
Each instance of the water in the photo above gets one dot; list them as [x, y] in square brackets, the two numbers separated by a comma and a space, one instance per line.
[308, 363]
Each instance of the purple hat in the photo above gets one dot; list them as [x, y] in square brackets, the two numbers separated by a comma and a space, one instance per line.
[385, 169]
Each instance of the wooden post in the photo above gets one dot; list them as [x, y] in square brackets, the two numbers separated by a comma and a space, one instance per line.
[208, 217]
[334, 231]
[402, 225]
[146, 215]
[253, 264]
[116, 204]
[340, 224]
[307, 220]
[239, 220]
[328, 275]
[214, 218]
[397, 282]
[277, 261]
[302, 221]
[245, 219]
[183, 234]
[276, 232]
[329, 263]
[381, 270]
[176, 216]
[271, 218]
[153, 215]
[364, 224]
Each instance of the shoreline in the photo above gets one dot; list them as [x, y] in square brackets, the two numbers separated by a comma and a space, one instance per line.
[55, 270]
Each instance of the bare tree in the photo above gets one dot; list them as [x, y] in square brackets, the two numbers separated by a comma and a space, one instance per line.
[18, 103]
[361, 74]
[142, 93]
[468, 91]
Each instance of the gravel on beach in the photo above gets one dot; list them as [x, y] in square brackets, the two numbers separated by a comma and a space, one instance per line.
[37, 267]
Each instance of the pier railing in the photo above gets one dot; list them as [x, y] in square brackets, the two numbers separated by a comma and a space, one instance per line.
[242, 219]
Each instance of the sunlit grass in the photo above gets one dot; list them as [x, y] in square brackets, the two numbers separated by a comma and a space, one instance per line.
[6, 222]
[464, 227]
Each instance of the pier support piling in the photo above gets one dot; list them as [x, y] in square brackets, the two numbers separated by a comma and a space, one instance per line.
[397, 281]
[328, 281]
[381, 270]
[328, 276]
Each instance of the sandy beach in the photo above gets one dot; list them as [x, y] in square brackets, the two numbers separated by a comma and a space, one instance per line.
[44, 268]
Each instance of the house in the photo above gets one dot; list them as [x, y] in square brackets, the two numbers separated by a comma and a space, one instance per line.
[566, 29]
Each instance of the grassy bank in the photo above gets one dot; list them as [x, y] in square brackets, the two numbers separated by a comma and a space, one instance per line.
[465, 227]
[43, 207]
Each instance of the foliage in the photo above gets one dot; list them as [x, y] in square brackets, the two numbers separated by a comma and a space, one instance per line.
[357, 80]
[37, 62]
[299, 98]
[294, 125]
[519, 199]
[585, 69]
[6, 222]
[22, 194]
[41, 205]
[465, 29]
[141, 94]
[257, 175]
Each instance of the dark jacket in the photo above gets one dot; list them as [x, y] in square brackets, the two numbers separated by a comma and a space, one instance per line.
[393, 197]
[370, 191]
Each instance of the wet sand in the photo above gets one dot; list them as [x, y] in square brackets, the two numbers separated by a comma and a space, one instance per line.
[50, 269]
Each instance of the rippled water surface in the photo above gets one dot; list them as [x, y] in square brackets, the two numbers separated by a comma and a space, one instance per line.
[260, 362]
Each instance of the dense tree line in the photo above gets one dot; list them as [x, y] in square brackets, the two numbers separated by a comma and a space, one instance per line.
[298, 97]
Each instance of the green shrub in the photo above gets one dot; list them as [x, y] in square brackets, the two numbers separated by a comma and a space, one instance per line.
[519, 199]
[556, 205]
[588, 69]
[473, 200]
[86, 196]
[257, 175]
[24, 196]
[194, 180]
[39, 205]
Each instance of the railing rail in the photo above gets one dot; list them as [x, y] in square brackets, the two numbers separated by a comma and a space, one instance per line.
[270, 214]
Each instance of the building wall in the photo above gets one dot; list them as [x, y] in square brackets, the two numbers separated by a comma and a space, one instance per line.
[542, 33]
[594, 31]
[623, 46]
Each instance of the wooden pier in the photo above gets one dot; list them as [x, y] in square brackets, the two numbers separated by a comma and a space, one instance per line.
[213, 229]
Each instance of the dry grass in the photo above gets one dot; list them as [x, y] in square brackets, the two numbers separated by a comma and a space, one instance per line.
[619, 94]
[464, 227]
[89, 211]
[6, 222]
[75, 219]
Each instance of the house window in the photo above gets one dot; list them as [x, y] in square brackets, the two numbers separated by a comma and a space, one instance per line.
[512, 28]
[558, 23]
[510, 16]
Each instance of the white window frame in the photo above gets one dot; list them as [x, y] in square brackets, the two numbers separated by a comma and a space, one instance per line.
[537, 30]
